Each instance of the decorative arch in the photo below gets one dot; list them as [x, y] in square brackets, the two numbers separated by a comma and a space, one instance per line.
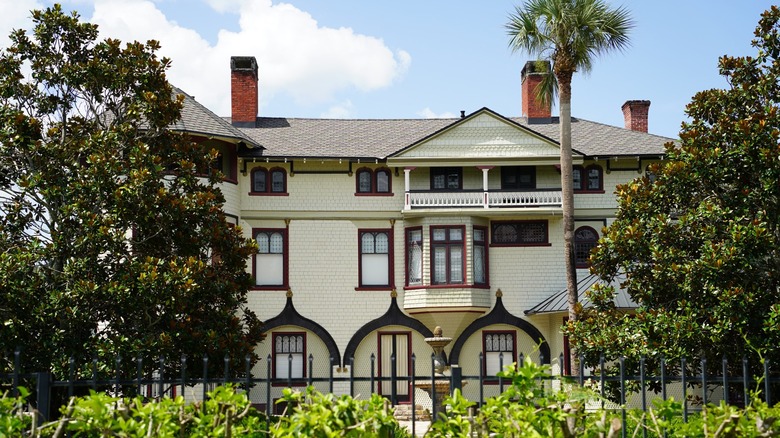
[499, 315]
[393, 316]
[290, 316]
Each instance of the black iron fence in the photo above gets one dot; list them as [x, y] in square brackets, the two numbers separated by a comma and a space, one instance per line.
[693, 382]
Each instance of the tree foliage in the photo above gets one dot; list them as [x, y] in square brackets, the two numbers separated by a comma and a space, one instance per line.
[700, 242]
[111, 226]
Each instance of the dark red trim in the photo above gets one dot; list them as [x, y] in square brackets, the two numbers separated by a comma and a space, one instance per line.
[267, 194]
[586, 263]
[285, 260]
[493, 380]
[447, 243]
[484, 244]
[494, 224]
[390, 258]
[374, 182]
[268, 181]
[583, 188]
[439, 170]
[274, 335]
[407, 231]
[448, 286]
[408, 334]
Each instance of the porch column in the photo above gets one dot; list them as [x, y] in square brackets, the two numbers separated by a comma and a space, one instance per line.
[407, 196]
[485, 199]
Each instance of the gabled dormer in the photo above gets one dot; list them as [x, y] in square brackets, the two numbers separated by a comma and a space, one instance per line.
[482, 161]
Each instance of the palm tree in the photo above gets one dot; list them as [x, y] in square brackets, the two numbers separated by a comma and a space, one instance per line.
[570, 34]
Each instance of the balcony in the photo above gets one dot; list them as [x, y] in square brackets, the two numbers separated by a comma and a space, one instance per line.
[428, 199]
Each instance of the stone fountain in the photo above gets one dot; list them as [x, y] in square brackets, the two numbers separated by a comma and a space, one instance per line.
[439, 387]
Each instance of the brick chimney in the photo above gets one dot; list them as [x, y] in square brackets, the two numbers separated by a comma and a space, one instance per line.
[533, 108]
[635, 114]
[243, 91]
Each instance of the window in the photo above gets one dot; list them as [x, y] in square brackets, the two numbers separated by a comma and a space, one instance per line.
[375, 258]
[447, 255]
[519, 233]
[289, 355]
[373, 182]
[588, 179]
[270, 267]
[480, 261]
[265, 181]
[226, 160]
[585, 239]
[446, 178]
[413, 256]
[518, 177]
[499, 349]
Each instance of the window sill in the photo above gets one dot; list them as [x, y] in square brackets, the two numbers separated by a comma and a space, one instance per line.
[374, 194]
[502, 245]
[268, 194]
[373, 288]
[283, 288]
[448, 286]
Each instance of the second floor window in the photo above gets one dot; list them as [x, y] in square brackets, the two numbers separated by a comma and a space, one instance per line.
[446, 178]
[414, 256]
[269, 181]
[480, 256]
[373, 181]
[519, 233]
[588, 179]
[518, 177]
[270, 267]
[375, 257]
[447, 252]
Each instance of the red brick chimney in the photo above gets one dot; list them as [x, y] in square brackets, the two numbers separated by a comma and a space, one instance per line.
[243, 91]
[534, 108]
[635, 114]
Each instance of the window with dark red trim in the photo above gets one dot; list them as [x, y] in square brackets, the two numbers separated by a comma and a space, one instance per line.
[270, 262]
[375, 258]
[585, 239]
[519, 233]
[289, 355]
[446, 178]
[499, 350]
[447, 250]
[268, 181]
[588, 179]
[373, 182]
[414, 243]
[480, 256]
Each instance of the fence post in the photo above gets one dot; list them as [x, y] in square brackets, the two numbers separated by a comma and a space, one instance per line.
[118, 374]
[623, 394]
[481, 379]
[767, 386]
[43, 388]
[414, 407]
[372, 358]
[663, 377]
[745, 393]
[268, 401]
[311, 369]
[352, 376]
[704, 380]
[433, 387]
[72, 376]
[456, 379]
[17, 370]
[139, 361]
[183, 374]
[582, 370]
[248, 381]
[161, 383]
[205, 376]
[393, 377]
[227, 370]
[725, 380]
[330, 375]
[684, 390]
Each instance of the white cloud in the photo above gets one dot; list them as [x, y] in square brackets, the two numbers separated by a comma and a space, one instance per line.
[297, 57]
[342, 110]
[15, 14]
[428, 113]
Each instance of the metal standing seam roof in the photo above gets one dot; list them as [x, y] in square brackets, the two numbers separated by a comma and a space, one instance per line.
[379, 138]
[558, 302]
[199, 120]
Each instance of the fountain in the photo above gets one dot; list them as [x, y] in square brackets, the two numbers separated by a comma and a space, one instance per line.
[439, 387]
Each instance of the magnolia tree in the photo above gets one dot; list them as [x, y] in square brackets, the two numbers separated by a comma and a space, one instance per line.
[111, 226]
[700, 241]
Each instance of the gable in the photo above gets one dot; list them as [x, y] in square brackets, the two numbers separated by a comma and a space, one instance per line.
[484, 138]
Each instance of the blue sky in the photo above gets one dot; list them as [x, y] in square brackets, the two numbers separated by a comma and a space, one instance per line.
[415, 58]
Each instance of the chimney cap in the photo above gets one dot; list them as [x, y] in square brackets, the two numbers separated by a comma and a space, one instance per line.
[536, 67]
[635, 103]
[243, 63]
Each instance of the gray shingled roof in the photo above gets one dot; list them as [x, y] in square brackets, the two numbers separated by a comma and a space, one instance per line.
[558, 301]
[378, 138]
[198, 120]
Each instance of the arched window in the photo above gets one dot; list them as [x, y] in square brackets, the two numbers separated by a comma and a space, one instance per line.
[585, 239]
[269, 181]
[383, 181]
[365, 181]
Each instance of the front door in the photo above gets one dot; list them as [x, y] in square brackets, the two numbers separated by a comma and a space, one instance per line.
[398, 345]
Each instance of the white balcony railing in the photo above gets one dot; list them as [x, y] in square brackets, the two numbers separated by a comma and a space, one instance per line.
[502, 199]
